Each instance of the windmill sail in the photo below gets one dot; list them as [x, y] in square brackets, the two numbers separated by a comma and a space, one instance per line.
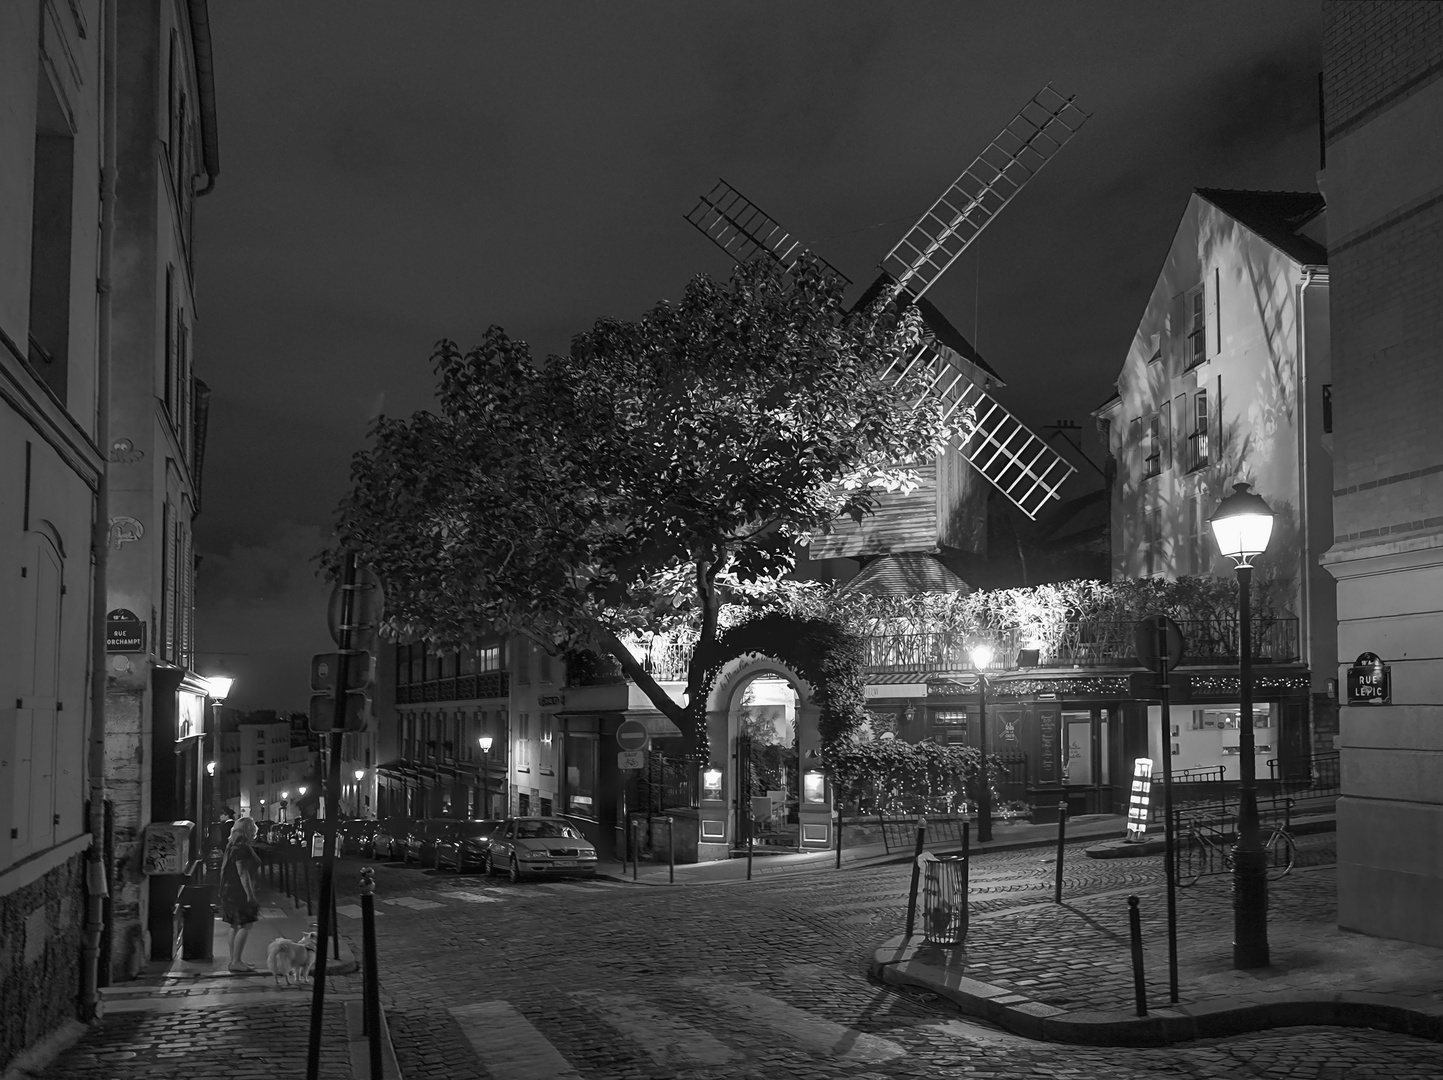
[742, 229]
[1003, 450]
[1019, 152]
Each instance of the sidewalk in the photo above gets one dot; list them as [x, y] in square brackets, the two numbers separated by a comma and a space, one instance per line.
[1063, 973]
[184, 1019]
[1006, 836]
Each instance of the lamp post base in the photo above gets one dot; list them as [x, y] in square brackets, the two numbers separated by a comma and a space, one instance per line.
[1250, 908]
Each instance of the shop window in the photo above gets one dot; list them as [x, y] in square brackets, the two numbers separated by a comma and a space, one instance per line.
[545, 807]
[579, 794]
[523, 805]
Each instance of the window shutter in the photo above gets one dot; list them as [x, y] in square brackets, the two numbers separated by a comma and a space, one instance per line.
[1178, 359]
[1217, 420]
[1166, 424]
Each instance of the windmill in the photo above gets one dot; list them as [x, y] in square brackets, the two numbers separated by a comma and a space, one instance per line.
[999, 447]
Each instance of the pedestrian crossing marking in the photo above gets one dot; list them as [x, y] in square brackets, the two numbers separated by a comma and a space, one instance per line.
[352, 911]
[472, 896]
[411, 902]
[565, 886]
[811, 1032]
[670, 1043]
[509, 1045]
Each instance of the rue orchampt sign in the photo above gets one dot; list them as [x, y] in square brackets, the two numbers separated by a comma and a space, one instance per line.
[124, 632]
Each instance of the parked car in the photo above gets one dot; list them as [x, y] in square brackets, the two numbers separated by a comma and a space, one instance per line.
[354, 835]
[421, 838]
[389, 839]
[539, 845]
[464, 843]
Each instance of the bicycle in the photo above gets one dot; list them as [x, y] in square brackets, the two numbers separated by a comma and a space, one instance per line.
[1208, 844]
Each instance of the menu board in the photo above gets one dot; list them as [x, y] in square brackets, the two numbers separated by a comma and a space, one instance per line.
[1047, 756]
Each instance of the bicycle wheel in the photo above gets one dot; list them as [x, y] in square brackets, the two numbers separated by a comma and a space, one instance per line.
[1282, 851]
[1192, 860]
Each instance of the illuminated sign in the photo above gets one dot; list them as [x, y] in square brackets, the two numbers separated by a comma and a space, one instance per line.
[1138, 805]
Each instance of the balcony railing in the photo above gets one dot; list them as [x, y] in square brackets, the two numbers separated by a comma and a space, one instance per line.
[1087, 643]
[488, 684]
[664, 661]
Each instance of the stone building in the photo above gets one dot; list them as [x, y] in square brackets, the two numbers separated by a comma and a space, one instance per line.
[1383, 124]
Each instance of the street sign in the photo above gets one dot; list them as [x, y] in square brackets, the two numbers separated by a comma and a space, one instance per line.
[1147, 637]
[631, 759]
[124, 632]
[367, 607]
[357, 715]
[632, 735]
[326, 666]
[1370, 681]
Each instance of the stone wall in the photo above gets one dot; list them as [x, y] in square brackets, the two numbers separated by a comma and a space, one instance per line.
[41, 931]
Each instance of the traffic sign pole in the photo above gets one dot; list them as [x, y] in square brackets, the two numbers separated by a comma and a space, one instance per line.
[328, 826]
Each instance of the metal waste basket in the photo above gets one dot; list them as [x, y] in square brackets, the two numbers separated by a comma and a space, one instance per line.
[944, 900]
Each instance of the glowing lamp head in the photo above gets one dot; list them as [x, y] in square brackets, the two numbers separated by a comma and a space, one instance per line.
[359, 773]
[302, 789]
[1242, 525]
[485, 741]
[981, 655]
[210, 768]
[218, 686]
[285, 794]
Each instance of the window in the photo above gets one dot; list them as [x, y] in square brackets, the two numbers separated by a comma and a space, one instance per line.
[523, 663]
[1196, 327]
[546, 758]
[1152, 539]
[543, 666]
[50, 225]
[260, 757]
[1152, 463]
[488, 658]
[1198, 441]
[403, 665]
[467, 661]
[418, 657]
[523, 742]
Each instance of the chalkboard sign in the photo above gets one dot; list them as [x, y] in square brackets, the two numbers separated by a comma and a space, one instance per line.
[1047, 732]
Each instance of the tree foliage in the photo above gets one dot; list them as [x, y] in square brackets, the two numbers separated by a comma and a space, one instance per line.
[642, 475]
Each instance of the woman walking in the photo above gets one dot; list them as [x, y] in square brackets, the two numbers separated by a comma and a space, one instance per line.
[238, 889]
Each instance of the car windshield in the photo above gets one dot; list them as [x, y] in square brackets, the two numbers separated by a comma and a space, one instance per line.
[531, 829]
[476, 828]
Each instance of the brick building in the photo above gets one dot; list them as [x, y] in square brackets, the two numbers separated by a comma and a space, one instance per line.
[1383, 176]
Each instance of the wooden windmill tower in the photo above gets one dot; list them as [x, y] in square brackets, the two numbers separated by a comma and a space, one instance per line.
[999, 448]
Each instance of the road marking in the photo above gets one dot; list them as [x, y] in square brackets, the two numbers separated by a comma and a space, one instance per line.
[472, 896]
[352, 911]
[565, 886]
[509, 1045]
[811, 1032]
[411, 902]
[670, 1043]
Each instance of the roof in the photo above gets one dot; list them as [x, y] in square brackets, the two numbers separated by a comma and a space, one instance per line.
[905, 574]
[935, 321]
[1276, 216]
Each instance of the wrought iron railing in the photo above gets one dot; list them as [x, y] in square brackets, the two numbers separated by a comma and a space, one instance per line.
[1312, 776]
[1082, 643]
[488, 684]
[665, 660]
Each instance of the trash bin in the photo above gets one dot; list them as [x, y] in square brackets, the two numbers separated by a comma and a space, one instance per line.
[944, 900]
[197, 921]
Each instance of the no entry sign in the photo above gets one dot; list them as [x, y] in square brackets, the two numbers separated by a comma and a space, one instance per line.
[632, 735]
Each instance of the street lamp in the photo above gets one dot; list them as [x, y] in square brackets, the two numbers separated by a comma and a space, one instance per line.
[1242, 526]
[358, 774]
[485, 743]
[285, 805]
[981, 658]
[216, 688]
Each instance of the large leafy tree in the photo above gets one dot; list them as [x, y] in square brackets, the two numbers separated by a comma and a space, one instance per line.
[634, 481]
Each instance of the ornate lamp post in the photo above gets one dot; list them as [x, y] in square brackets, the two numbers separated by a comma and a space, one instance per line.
[359, 775]
[285, 806]
[216, 688]
[485, 743]
[1242, 526]
[981, 659]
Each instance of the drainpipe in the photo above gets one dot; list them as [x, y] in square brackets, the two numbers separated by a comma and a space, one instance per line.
[96, 887]
[1305, 591]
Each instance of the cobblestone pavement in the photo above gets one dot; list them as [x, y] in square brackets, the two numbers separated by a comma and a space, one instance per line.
[256, 1042]
[600, 980]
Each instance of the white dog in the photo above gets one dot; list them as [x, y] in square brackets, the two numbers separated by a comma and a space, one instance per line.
[285, 957]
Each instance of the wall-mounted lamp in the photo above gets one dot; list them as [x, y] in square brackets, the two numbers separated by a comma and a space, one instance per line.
[711, 784]
[814, 787]
[210, 768]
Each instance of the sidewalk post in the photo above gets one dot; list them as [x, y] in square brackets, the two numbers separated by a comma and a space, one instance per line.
[750, 831]
[372, 985]
[306, 866]
[839, 837]
[1061, 841]
[916, 874]
[967, 858]
[335, 927]
[1169, 840]
[670, 850]
[635, 849]
[1134, 926]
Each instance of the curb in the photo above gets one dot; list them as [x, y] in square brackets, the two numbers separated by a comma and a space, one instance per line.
[1156, 845]
[896, 964]
[359, 1044]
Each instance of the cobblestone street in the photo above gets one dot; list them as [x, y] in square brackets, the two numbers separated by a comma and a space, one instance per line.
[606, 980]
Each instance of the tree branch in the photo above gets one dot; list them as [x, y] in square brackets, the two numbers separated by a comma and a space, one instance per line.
[648, 686]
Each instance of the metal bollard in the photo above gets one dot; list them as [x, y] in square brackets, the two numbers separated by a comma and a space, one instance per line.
[635, 849]
[1134, 926]
[750, 830]
[306, 869]
[839, 838]
[670, 851]
[371, 988]
[1061, 842]
[916, 874]
[335, 927]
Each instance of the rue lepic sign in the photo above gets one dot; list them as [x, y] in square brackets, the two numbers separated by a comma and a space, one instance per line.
[1370, 681]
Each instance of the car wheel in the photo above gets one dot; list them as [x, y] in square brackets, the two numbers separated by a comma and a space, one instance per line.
[514, 871]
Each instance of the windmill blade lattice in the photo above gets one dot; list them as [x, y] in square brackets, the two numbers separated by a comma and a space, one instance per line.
[1002, 449]
[1019, 152]
[742, 229]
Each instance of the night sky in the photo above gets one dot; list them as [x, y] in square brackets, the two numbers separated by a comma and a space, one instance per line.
[396, 173]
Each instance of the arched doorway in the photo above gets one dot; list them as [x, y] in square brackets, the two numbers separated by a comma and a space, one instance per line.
[765, 776]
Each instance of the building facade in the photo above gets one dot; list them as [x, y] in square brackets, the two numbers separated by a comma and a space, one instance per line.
[1383, 110]
[52, 70]
[156, 716]
[1227, 380]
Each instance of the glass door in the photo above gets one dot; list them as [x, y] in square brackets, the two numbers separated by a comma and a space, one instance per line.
[1086, 760]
